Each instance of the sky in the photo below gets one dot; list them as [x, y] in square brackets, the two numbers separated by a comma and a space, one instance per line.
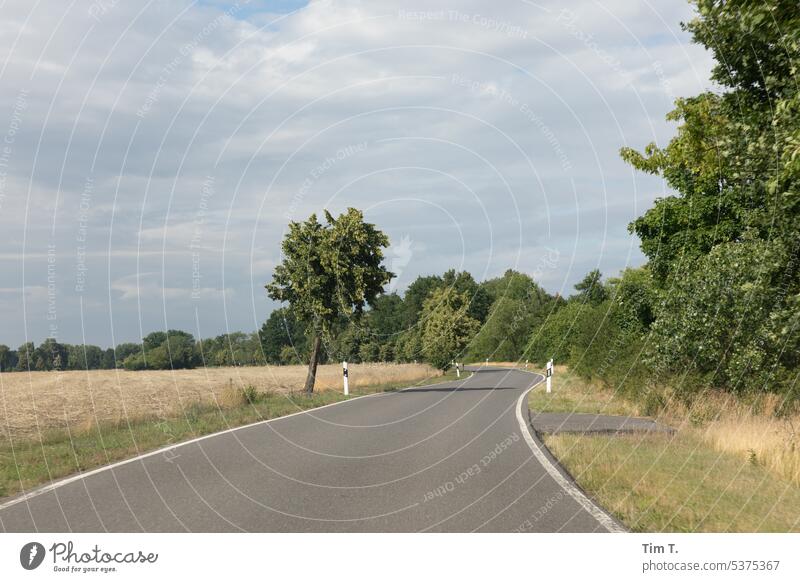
[153, 153]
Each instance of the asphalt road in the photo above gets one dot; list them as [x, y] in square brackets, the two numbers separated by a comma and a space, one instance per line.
[457, 456]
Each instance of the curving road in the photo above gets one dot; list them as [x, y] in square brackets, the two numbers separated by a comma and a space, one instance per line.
[457, 456]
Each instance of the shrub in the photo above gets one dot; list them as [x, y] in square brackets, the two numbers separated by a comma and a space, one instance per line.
[728, 319]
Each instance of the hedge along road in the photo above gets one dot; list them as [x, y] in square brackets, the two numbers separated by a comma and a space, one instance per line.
[456, 456]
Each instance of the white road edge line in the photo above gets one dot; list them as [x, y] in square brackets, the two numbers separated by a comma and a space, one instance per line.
[58, 484]
[596, 512]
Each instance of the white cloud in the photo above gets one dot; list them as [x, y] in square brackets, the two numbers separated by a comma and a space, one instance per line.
[148, 286]
[490, 132]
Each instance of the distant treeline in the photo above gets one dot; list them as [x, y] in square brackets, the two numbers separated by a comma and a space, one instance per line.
[391, 330]
[158, 351]
[631, 332]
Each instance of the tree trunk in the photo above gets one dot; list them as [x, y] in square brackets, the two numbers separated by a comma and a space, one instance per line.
[312, 364]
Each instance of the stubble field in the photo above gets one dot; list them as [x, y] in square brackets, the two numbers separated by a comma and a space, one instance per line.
[35, 403]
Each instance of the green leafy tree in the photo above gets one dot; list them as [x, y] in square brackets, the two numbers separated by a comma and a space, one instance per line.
[505, 334]
[387, 351]
[153, 340]
[108, 362]
[514, 285]
[345, 341]
[84, 357]
[234, 349]
[8, 359]
[591, 288]
[176, 352]
[50, 355]
[380, 329]
[408, 346]
[125, 350]
[289, 356]
[722, 163]
[730, 320]
[634, 297]
[385, 319]
[329, 271]
[447, 326]
[519, 305]
[369, 351]
[415, 296]
[134, 362]
[734, 166]
[555, 338]
[463, 283]
[282, 329]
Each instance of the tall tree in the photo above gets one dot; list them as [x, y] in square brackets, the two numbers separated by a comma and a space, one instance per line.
[25, 357]
[415, 297]
[329, 271]
[447, 326]
[591, 287]
[725, 246]
[464, 283]
[7, 358]
[518, 305]
[282, 329]
[735, 161]
[50, 355]
[385, 319]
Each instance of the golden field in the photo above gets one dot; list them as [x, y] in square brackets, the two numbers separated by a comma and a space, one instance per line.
[33, 403]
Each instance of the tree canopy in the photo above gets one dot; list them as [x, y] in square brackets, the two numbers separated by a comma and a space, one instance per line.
[328, 272]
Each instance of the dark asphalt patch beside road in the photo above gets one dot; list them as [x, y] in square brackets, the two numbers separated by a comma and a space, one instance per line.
[571, 422]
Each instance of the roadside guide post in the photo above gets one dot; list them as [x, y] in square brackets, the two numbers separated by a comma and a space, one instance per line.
[344, 377]
[526, 364]
[549, 374]
[458, 370]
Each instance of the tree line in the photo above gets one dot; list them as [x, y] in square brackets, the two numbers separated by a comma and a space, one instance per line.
[718, 303]
[159, 350]
[394, 328]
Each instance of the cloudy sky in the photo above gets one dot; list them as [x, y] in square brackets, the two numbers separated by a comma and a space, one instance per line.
[152, 153]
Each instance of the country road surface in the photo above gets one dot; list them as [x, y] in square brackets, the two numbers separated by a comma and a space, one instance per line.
[455, 456]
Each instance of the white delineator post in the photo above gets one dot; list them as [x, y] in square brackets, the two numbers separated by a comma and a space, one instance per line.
[344, 377]
[549, 375]
[458, 370]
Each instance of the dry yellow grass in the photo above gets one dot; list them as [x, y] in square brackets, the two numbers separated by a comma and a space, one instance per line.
[35, 402]
[749, 429]
[767, 441]
[734, 464]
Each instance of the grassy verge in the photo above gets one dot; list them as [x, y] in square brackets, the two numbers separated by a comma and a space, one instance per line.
[706, 477]
[24, 464]
[678, 484]
[573, 394]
